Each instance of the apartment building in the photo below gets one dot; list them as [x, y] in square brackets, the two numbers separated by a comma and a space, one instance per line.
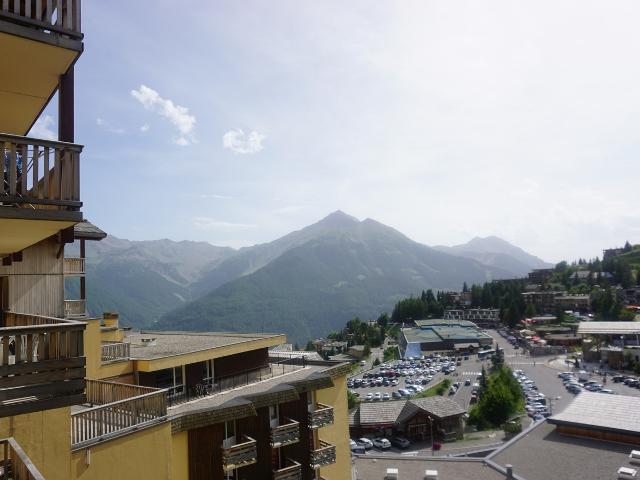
[544, 301]
[82, 398]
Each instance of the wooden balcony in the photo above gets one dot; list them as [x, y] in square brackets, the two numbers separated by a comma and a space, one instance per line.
[75, 308]
[56, 18]
[121, 409]
[321, 416]
[15, 464]
[323, 456]
[74, 266]
[292, 471]
[240, 454]
[285, 434]
[42, 364]
[115, 351]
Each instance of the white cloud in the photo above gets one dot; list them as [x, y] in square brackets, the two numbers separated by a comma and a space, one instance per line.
[178, 115]
[102, 123]
[145, 128]
[238, 142]
[206, 223]
[43, 128]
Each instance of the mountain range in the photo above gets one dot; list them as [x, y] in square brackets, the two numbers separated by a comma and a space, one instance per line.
[306, 283]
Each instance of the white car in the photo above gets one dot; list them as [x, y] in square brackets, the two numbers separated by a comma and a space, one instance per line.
[382, 443]
[377, 396]
[365, 442]
[369, 397]
[386, 396]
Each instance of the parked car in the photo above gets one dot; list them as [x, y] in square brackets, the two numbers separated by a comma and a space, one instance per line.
[400, 442]
[381, 443]
[365, 442]
[467, 382]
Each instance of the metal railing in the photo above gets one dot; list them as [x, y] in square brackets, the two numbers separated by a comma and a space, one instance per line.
[41, 358]
[292, 471]
[75, 308]
[15, 464]
[285, 434]
[121, 409]
[115, 351]
[74, 266]
[325, 455]
[60, 16]
[207, 387]
[39, 174]
[240, 454]
[321, 416]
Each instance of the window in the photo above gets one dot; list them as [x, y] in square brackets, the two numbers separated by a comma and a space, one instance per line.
[171, 378]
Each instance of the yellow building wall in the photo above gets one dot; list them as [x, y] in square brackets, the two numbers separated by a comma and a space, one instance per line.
[137, 456]
[45, 437]
[96, 370]
[180, 456]
[337, 433]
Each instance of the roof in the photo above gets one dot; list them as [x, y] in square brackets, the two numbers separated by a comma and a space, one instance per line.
[169, 344]
[373, 466]
[399, 411]
[88, 231]
[541, 453]
[609, 328]
[620, 413]
[441, 322]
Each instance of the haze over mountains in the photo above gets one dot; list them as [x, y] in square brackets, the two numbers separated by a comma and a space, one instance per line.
[305, 284]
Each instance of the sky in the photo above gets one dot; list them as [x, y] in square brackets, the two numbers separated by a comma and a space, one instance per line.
[236, 122]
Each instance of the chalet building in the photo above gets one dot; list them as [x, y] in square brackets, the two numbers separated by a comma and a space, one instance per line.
[83, 398]
[540, 275]
[544, 301]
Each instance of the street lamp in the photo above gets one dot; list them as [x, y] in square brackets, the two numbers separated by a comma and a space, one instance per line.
[431, 429]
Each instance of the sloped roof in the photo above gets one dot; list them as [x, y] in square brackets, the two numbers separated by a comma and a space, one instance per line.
[88, 231]
[609, 328]
[376, 413]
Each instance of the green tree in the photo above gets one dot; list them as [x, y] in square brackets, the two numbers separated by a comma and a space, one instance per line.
[310, 346]
[383, 321]
[497, 359]
[376, 362]
[352, 400]
[367, 350]
[530, 311]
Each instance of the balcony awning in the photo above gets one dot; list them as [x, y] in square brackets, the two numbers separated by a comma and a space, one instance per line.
[88, 231]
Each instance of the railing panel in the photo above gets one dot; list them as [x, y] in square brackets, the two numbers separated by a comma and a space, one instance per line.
[321, 416]
[122, 409]
[29, 181]
[59, 16]
[240, 455]
[41, 360]
[114, 351]
[325, 455]
[74, 266]
[75, 308]
[285, 434]
[15, 462]
[293, 471]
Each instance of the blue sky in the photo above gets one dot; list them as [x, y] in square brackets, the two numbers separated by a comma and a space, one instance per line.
[235, 122]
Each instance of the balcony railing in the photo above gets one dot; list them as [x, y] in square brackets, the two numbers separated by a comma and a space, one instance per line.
[240, 454]
[321, 416]
[115, 351]
[41, 363]
[121, 409]
[325, 455]
[74, 266]
[39, 174]
[293, 471]
[60, 16]
[285, 434]
[222, 384]
[75, 308]
[15, 464]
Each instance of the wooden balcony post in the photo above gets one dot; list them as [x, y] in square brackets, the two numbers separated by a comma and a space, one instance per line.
[66, 105]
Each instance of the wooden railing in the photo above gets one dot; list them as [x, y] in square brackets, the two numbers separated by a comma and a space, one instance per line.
[240, 454]
[285, 434]
[114, 351]
[293, 471]
[41, 363]
[39, 174]
[122, 409]
[74, 266]
[61, 16]
[321, 416]
[15, 464]
[325, 455]
[75, 308]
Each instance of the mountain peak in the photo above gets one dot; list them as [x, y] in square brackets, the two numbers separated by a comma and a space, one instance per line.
[339, 219]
